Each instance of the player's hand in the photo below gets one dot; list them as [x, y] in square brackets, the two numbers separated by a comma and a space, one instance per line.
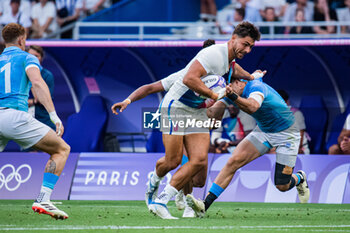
[58, 123]
[229, 89]
[258, 74]
[59, 129]
[120, 105]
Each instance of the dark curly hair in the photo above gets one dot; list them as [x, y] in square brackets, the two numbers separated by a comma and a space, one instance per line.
[245, 28]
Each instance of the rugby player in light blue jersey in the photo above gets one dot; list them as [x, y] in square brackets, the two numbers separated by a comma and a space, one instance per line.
[275, 128]
[19, 71]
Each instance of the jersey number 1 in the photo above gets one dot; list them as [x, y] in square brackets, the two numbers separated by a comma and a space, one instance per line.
[7, 69]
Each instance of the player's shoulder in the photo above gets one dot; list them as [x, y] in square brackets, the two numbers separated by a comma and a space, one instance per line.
[257, 83]
[216, 48]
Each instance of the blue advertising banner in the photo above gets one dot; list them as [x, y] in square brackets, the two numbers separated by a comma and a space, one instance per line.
[21, 175]
[117, 176]
[328, 179]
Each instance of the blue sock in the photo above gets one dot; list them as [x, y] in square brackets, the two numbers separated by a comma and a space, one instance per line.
[299, 178]
[216, 190]
[184, 160]
[50, 180]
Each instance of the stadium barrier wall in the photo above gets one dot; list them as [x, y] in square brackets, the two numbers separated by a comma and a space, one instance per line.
[123, 176]
[117, 176]
[21, 175]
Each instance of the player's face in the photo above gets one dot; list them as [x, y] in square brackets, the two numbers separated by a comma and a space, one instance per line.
[242, 46]
[22, 42]
[35, 53]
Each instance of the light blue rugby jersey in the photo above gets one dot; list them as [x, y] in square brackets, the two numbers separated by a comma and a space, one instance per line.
[14, 83]
[273, 115]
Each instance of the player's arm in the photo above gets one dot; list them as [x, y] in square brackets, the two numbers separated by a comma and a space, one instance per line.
[240, 73]
[42, 94]
[249, 105]
[193, 81]
[217, 110]
[138, 94]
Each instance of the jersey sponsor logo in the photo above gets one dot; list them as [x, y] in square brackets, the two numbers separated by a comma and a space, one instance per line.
[12, 180]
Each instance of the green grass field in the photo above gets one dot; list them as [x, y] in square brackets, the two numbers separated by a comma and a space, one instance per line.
[132, 216]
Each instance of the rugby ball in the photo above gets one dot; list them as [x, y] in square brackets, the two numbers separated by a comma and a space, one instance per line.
[214, 83]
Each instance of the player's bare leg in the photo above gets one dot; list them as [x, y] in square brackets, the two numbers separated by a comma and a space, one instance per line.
[173, 153]
[197, 160]
[243, 154]
[59, 151]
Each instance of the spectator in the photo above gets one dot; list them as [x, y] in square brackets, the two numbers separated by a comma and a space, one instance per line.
[306, 6]
[44, 19]
[208, 11]
[68, 11]
[270, 16]
[15, 15]
[344, 16]
[300, 17]
[236, 124]
[300, 122]
[92, 6]
[251, 8]
[278, 5]
[322, 12]
[343, 146]
[237, 16]
[24, 7]
[40, 112]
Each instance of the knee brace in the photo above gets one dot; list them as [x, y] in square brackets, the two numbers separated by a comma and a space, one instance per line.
[283, 174]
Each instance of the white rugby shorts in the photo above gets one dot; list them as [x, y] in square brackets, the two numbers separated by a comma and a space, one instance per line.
[20, 127]
[179, 119]
[286, 143]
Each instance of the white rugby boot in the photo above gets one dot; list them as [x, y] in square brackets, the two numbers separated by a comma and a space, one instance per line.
[160, 210]
[196, 205]
[303, 188]
[180, 200]
[49, 209]
[151, 192]
[189, 212]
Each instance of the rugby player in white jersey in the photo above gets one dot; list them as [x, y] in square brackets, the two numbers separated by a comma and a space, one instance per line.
[164, 85]
[181, 104]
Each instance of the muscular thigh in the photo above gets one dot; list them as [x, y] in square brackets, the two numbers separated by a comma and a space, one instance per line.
[197, 146]
[173, 145]
[50, 143]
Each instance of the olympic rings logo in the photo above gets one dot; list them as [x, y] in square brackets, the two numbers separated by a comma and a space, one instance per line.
[4, 181]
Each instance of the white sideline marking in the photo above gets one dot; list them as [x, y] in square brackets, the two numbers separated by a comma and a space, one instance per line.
[112, 227]
[233, 208]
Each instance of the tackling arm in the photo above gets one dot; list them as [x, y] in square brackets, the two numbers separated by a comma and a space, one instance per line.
[138, 94]
[249, 105]
[240, 73]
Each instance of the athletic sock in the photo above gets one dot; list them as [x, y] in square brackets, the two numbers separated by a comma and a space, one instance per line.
[300, 178]
[49, 183]
[214, 192]
[168, 193]
[293, 183]
[155, 179]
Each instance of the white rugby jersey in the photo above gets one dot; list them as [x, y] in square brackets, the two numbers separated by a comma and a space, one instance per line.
[214, 60]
